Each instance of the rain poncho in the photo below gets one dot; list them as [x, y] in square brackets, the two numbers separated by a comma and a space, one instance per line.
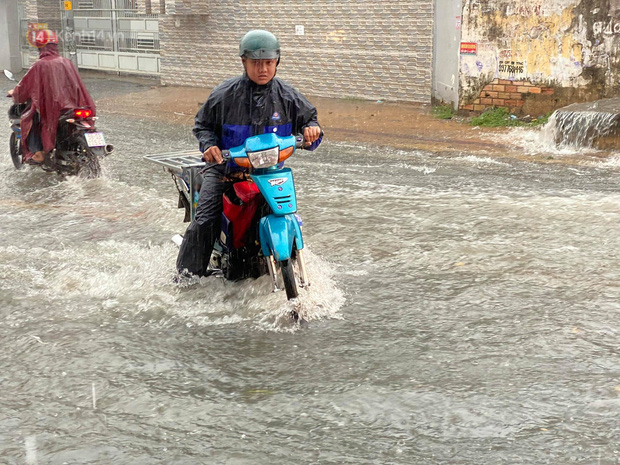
[239, 108]
[52, 86]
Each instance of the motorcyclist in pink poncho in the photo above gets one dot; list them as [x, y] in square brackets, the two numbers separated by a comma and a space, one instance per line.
[51, 87]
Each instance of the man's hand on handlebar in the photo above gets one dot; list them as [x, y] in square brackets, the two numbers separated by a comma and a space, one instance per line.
[10, 93]
[213, 155]
[311, 134]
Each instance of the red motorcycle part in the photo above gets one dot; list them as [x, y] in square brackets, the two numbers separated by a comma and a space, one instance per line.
[241, 216]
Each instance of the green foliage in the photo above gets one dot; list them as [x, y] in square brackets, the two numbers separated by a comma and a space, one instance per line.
[495, 117]
[443, 111]
[500, 117]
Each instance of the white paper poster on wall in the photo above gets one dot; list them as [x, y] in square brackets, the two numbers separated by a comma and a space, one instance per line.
[510, 66]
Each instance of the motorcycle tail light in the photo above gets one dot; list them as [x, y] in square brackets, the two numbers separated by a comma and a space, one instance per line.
[264, 158]
[82, 113]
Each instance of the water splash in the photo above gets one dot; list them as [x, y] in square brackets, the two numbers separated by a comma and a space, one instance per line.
[576, 129]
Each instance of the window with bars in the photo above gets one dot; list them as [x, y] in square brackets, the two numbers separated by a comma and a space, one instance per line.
[87, 39]
[144, 43]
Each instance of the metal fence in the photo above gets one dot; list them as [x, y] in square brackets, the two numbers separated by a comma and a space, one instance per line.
[114, 35]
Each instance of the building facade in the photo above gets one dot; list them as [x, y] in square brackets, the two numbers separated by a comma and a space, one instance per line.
[343, 49]
[530, 56]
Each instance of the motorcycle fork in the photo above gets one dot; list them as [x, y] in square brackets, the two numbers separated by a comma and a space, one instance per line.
[303, 273]
[271, 266]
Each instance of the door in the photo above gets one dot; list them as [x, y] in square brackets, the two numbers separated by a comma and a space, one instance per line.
[447, 37]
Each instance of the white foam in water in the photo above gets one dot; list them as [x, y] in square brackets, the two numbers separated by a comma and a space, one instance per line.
[537, 142]
[321, 300]
[424, 169]
[30, 444]
[476, 160]
[133, 279]
[611, 162]
[565, 134]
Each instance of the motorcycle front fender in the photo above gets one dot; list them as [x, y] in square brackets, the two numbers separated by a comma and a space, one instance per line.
[277, 234]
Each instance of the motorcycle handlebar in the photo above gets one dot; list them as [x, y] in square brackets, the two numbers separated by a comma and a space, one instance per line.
[299, 143]
[299, 140]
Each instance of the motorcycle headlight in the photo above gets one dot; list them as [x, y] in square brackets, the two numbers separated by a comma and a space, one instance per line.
[264, 158]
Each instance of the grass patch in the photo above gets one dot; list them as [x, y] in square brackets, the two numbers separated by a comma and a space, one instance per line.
[443, 111]
[494, 118]
[348, 98]
[500, 117]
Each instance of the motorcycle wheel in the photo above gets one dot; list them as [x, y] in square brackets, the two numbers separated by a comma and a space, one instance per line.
[288, 276]
[16, 151]
[87, 165]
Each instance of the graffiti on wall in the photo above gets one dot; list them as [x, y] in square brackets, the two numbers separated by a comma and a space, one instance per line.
[527, 10]
[610, 27]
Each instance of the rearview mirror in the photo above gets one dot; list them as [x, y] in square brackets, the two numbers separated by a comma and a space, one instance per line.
[9, 75]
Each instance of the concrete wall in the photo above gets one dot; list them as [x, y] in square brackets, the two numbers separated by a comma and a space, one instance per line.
[533, 56]
[346, 48]
[10, 57]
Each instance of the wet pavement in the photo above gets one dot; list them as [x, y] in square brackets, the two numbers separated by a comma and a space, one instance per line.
[406, 126]
[463, 308]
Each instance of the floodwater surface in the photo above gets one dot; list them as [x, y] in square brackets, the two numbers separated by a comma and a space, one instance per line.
[464, 309]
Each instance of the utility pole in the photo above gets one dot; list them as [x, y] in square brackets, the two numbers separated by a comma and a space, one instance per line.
[69, 31]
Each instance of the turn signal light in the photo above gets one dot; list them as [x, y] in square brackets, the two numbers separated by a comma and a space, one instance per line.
[284, 154]
[243, 162]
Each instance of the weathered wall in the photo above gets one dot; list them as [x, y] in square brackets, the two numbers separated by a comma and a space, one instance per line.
[362, 49]
[555, 51]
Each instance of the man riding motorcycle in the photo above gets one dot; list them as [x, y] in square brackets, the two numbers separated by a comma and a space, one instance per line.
[51, 87]
[255, 103]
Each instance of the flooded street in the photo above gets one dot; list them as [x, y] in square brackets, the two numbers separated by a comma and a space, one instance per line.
[464, 309]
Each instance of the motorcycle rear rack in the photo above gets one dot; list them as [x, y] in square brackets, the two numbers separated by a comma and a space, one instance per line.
[184, 167]
[178, 161]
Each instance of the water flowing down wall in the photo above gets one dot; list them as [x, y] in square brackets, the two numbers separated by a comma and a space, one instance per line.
[594, 124]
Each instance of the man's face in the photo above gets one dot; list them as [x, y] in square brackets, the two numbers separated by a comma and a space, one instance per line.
[260, 71]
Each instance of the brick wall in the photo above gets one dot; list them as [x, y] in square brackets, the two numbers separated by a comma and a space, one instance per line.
[357, 49]
[511, 95]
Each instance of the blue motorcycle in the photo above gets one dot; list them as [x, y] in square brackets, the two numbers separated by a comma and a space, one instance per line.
[261, 230]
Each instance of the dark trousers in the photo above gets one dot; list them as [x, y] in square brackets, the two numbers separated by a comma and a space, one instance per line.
[34, 142]
[204, 229]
